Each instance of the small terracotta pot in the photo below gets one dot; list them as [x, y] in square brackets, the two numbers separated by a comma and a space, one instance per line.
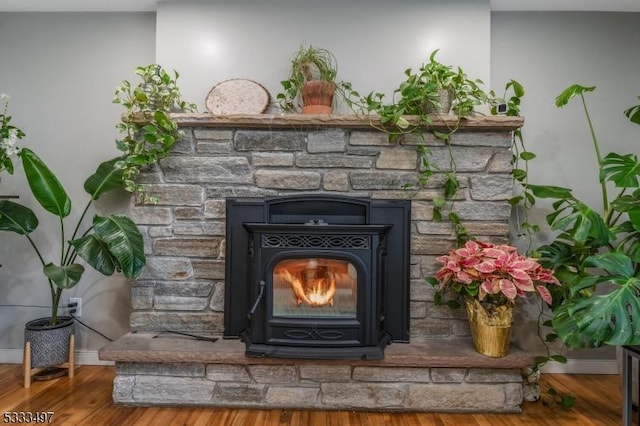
[317, 97]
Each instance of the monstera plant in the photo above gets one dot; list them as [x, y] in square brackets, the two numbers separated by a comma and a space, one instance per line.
[596, 253]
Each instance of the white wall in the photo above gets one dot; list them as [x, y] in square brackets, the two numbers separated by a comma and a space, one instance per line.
[374, 41]
[547, 52]
[60, 70]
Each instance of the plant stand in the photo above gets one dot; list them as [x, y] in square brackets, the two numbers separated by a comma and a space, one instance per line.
[29, 372]
[629, 352]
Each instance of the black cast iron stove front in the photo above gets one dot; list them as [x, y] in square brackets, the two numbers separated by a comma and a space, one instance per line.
[317, 276]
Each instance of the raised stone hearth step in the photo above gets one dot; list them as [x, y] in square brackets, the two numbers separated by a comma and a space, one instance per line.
[436, 375]
[455, 352]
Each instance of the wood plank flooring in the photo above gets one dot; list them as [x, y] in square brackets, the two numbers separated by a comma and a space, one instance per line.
[86, 400]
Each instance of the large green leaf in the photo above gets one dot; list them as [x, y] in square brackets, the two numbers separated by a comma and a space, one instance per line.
[96, 253]
[574, 90]
[17, 218]
[627, 203]
[601, 319]
[622, 170]
[518, 89]
[634, 217]
[106, 178]
[549, 191]
[582, 223]
[616, 264]
[44, 185]
[633, 249]
[633, 114]
[64, 276]
[604, 318]
[124, 242]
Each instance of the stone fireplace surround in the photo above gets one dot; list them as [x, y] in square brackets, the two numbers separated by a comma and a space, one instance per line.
[265, 155]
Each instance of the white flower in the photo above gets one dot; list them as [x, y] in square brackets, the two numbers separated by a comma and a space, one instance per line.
[13, 136]
[8, 145]
[4, 97]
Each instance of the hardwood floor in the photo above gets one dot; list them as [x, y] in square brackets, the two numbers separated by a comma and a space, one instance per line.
[86, 400]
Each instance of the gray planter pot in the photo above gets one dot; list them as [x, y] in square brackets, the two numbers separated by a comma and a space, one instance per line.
[443, 105]
[49, 343]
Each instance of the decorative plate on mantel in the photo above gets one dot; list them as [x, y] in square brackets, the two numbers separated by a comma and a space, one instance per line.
[237, 96]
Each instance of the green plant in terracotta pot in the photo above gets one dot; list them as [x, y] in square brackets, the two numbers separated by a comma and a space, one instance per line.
[312, 82]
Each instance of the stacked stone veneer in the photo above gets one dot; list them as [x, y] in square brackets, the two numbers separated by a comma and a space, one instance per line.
[320, 387]
[183, 285]
[182, 288]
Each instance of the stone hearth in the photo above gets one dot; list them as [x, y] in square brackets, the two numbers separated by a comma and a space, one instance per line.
[182, 288]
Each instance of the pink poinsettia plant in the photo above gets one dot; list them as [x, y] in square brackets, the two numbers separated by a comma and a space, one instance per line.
[491, 273]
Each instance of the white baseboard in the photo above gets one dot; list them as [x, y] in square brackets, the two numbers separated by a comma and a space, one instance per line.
[14, 356]
[583, 366]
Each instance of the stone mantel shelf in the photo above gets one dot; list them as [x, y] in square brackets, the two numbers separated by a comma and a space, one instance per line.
[313, 121]
[447, 353]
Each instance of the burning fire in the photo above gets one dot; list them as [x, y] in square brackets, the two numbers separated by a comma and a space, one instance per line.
[314, 281]
[314, 292]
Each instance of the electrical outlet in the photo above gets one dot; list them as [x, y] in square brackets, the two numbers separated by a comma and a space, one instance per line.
[78, 307]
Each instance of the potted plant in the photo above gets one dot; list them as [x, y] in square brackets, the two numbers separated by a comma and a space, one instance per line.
[490, 278]
[596, 253]
[434, 88]
[453, 89]
[148, 134]
[312, 82]
[108, 244]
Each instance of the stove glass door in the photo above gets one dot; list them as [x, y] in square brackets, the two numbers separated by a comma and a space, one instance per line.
[315, 287]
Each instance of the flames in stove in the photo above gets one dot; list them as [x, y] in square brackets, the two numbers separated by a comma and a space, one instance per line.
[314, 292]
[314, 282]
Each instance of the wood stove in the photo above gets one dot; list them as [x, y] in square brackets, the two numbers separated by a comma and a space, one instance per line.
[317, 276]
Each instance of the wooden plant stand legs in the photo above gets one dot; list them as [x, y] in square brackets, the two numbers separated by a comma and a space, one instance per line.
[30, 372]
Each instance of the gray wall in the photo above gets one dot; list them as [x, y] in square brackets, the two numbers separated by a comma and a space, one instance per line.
[60, 70]
[374, 41]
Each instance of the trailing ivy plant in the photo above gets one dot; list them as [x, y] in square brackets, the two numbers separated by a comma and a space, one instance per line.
[510, 101]
[146, 141]
[524, 198]
[418, 95]
[596, 253]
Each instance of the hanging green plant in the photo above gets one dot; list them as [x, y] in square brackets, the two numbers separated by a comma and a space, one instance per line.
[146, 141]
[435, 89]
